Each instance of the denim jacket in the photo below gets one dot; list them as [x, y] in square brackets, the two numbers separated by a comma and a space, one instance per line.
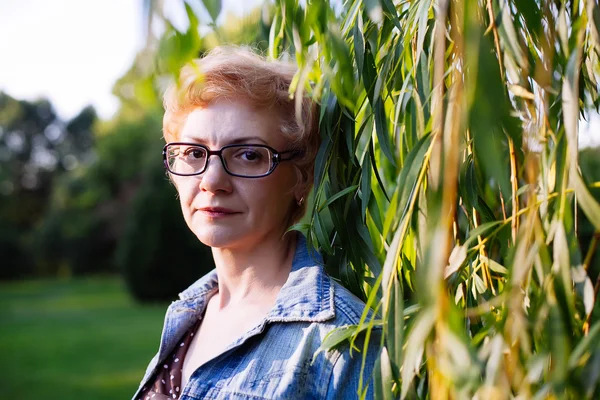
[277, 359]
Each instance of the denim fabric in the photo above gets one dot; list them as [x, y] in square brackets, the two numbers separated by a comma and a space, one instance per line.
[276, 359]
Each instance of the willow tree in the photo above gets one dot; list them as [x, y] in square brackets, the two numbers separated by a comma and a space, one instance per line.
[447, 186]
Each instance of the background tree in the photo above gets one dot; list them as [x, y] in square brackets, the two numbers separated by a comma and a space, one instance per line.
[117, 211]
[35, 148]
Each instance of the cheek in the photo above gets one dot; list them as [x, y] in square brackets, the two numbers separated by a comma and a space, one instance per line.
[185, 193]
[270, 199]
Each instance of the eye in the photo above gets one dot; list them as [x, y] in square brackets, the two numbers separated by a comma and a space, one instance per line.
[249, 155]
[194, 153]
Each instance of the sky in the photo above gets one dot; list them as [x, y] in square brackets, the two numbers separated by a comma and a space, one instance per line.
[73, 51]
[70, 51]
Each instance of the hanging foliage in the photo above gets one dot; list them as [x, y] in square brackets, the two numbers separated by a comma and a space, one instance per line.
[447, 186]
[448, 193]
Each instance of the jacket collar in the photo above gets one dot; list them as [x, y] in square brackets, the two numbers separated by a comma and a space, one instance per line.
[307, 295]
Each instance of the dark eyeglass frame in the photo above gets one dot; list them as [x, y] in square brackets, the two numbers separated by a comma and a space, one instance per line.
[275, 160]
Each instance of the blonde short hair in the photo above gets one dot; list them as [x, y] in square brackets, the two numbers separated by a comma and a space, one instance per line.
[229, 72]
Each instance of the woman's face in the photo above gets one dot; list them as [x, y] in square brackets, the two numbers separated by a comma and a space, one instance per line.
[225, 211]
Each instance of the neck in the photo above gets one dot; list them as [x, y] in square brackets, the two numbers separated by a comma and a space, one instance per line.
[254, 275]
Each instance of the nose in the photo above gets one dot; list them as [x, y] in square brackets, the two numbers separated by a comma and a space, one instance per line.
[215, 178]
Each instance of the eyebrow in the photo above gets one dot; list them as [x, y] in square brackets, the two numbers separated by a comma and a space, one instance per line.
[247, 139]
[244, 140]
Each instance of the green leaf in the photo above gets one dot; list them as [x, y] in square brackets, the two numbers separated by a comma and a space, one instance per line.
[375, 171]
[422, 25]
[351, 16]
[391, 214]
[213, 7]
[375, 213]
[563, 280]
[570, 105]
[382, 76]
[478, 285]
[321, 160]
[300, 227]
[322, 235]
[410, 172]
[481, 230]
[392, 258]
[383, 377]
[275, 36]
[364, 245]
[467, 184]
[509, 35]
[335, 338]
[587, 345]
[193, 19]
[488, 119]
[563, 29]
[369, 73]
[530, 10]
[395, 323]
[338, 195]
[593, 14]
[390, 10]
[381, 128]
[559, 344]
[374, 10]
[584, 287]
[589, 205]
[456, 260]
[338, 336]
[414, 348]
[359, 44]
[494, 266]
[365, 184]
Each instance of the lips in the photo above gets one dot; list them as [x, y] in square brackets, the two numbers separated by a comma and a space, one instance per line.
[217, 211]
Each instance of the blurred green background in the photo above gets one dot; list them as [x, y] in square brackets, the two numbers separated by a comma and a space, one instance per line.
[92, 242]
[93, 246]
[80, 338]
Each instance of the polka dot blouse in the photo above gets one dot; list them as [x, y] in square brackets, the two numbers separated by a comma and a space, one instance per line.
[167, 378]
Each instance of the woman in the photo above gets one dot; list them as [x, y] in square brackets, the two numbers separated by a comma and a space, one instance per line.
[242, 164]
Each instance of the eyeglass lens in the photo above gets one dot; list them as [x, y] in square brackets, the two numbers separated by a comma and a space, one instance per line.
[240, 160]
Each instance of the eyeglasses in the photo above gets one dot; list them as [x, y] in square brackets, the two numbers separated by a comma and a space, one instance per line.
[242, 160]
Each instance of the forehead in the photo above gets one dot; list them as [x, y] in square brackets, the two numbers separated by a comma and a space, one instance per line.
[226, 121]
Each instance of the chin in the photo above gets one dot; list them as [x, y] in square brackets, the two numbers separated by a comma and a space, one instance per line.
[221, 237]
[217, 233]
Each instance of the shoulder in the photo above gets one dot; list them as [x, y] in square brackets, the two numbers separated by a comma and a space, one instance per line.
[348, 308]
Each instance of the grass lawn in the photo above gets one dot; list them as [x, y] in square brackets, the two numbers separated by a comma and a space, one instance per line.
[74, 339]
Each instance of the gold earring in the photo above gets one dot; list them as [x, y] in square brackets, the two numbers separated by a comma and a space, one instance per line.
[300, 202]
